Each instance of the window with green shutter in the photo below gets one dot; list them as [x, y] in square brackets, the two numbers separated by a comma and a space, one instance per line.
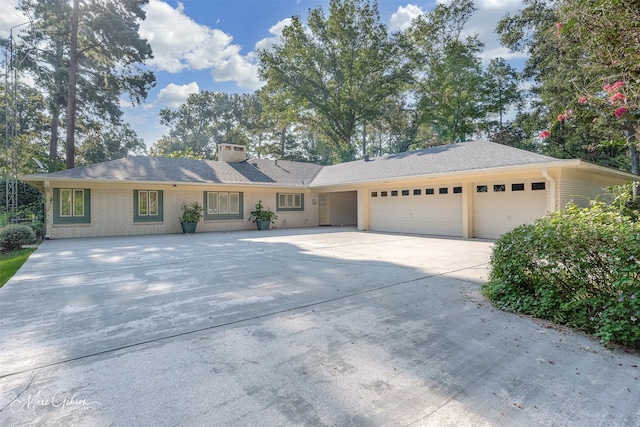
[290, 202]
[219, 205]
[71, 206]
[147, 206]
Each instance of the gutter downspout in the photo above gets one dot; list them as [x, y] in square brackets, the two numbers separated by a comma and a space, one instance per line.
[552, 190]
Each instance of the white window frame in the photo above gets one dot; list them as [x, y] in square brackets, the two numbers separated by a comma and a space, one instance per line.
[290, 202]
[75, 195]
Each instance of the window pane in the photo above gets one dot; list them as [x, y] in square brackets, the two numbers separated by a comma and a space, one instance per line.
[234, 203]
[78, 202]
[224, 203]
[282, 200]
[289, 200]
[143, 198]
[297, 200]
[153, 203]
[212, 203]
[537, 186]
[65, 202]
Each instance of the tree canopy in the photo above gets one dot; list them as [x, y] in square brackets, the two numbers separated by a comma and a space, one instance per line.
[340, 81]
[206, 119]
[341, 67]
[86, 54]
[563, 126]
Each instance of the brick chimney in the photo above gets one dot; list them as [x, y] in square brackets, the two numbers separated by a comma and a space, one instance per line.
[232, 153]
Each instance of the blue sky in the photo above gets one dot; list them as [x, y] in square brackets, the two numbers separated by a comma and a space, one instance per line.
[211, 44]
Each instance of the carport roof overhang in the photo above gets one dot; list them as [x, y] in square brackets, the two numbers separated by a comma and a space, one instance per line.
[462, 176]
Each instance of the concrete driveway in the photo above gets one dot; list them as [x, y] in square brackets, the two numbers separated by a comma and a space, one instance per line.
[289, 327]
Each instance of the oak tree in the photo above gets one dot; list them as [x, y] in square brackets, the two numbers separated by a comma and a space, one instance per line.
[339, 67]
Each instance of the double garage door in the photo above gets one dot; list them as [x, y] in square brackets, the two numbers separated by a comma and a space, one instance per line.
[433, 210]
[496, 208]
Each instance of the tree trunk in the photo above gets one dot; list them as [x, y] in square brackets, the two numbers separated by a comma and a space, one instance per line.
[71, 91]
[364, 139]
[629, 133]
[633, 147]
[53, 142]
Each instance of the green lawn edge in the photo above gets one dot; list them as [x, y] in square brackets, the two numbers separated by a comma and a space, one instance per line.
[10, 263]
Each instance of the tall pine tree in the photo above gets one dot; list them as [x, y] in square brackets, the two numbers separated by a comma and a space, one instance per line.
[86, 54]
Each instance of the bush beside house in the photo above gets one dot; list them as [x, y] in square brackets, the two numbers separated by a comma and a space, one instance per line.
[12, 237]
[578, 267]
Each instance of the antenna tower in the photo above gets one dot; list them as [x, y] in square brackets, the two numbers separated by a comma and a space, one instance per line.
[10, 126]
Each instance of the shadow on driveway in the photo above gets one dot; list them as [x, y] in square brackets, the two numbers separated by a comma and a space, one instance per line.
[289, 327]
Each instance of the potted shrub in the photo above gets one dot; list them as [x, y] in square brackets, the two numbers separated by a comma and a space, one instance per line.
[191, 215]
[262, 217]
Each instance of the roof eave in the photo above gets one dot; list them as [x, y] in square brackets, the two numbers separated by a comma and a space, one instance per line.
[556, 164]
[605, 170]
[39, 182]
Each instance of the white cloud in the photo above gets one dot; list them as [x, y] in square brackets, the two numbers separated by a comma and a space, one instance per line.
[483, 23]
[179, 43]
[500, 52]
[499, 4]
[276, 30]
[401, 20]
[10, 17]
[175, 95]
[238, 70]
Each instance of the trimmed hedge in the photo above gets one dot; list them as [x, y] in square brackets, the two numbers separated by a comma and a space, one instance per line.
[13, 236]
[578, 267]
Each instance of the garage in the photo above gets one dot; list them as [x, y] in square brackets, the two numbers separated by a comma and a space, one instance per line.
[499, 207]
[435, 210]
[495, 207]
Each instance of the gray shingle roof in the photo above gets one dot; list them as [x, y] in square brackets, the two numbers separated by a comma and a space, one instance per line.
[464, 156]
[159, 169]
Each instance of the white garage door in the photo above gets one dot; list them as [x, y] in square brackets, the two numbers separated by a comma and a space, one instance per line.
[436, 211]
[501, 207]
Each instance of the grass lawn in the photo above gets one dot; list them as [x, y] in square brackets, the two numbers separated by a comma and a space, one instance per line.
[10, 262]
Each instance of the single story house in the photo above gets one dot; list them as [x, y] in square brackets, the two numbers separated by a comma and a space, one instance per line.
[472, 189]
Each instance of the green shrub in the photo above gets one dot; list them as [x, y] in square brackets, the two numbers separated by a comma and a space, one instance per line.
[38, 229]
[13, 236]
[577, 267]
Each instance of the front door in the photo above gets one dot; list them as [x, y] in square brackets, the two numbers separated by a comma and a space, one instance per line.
[323, 210]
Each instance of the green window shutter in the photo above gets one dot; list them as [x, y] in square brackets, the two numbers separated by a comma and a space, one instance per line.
[221, 205]
[147, 206]
[290, 202]
[71, 206]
